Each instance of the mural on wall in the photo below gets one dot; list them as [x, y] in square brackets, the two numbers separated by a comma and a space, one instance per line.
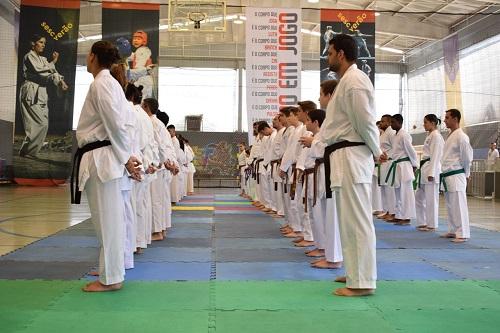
[215, 153]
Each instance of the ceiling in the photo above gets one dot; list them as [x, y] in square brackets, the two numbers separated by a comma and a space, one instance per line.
[403, 25]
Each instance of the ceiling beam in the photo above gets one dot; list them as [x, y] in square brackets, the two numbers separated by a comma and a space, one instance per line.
[404, 26]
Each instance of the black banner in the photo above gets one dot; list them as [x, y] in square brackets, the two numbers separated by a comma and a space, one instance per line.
[360, 24]
[134, 29]
[48, 37]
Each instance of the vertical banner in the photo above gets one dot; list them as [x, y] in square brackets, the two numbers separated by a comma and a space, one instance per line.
[134, 29]
[48, 34]
[452, 74]
[360, 24]
[273, 61]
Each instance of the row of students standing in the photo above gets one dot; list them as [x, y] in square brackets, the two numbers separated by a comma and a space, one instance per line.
[405, 189]
[125, 163]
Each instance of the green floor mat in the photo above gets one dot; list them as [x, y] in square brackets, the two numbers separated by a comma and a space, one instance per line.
[414, 295]
[442, 321]
[494, 285]
[284, 295]
[16, 320]
[140, 296]
[301, 321]
[32, 294]
[147, 320]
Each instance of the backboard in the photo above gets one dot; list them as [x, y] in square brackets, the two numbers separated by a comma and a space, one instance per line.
[197, 15]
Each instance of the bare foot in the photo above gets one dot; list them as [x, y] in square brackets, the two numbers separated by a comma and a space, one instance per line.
[291, 235]
[157, 236]
[341, 279]
[424, 226]
[138, 250]
[459, 240]
[315, 253]
[298, 240]
[378, 212]
[324, 264]
[97, 286]
[402, 222]
[93, 273]
[428, 229]
[304, 243]
[349, 292]
[316, 260]
[382, 215]
[448, 235]
[278, 216]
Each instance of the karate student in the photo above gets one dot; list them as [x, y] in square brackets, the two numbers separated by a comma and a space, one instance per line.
[376, 191]
[276, 154]
[242, 163]
[455, 166]
[177, 179]
[268, 135]
[331, 256]
[353, 141]
[105, 145]
[402, 172]
[387, 191]
[255, 157]
[191, 168]
[427, 182]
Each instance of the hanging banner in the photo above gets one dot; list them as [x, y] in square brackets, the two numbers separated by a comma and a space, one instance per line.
[273, 61]
[48, 34]
[360, 24]
[452, 75]
[134, 29]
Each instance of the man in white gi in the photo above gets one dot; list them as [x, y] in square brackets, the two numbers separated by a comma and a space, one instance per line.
[277, 151]
[180, 160]
[268, 135]
[104, 148]
[353, 141]
[402, 172]
[242, 163]
[191, 169]
[427, 182]
[255, 164]
[455, 166]
[387, 191]
[492, 157]
[376, 190]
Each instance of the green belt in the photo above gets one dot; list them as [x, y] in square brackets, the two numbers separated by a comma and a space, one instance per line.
[392, 169]
[447, 174]
[418, 174]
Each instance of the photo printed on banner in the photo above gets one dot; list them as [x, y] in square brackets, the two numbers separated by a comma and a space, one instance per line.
[134, 29]
[48, 33]
[360, 24]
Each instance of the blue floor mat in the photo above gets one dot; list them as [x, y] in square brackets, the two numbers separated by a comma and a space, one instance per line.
[189, 233]
[182, 242]
[54, 254]
[179, 220]
[13, 270]
[472, 270]
[67, 241]
[165, 254]
[412, 271]
[273, 271]
[262, 255]
[252, 243]
[148, 271]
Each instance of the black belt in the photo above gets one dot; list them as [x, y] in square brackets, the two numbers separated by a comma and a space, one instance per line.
[328, 150]
[76, 194]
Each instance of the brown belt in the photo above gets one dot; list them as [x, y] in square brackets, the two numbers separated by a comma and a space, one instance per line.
[305, 176]
[294, 181]
[328, 151]
[241, 166]
[273, 162]
[258, 167]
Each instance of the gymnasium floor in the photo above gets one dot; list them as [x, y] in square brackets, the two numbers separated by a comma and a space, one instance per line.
[225, 268]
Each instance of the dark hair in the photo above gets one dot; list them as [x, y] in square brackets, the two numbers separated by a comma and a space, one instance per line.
[377, 122]
[328, 86]
[307, 106]
[287, 110]
[433, 118]
[454, 113]
[386, 116]
[317, 115]
[171, 127]
[243, 143]
[107, 54]
[398, 118]
[133, 93]
[163, 117]
[262, 126]
[247, 151]
[152, 104]
[36, 37]
[181, 141]
[346, 43]
[118, 72]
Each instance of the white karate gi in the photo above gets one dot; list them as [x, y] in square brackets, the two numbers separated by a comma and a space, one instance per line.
[290, 218]
[254, 155]
[404, 176]
[350, 116]
[265, 169]
[177, 180]
[277, 152]
[427, 195]
[457, 154]
[387, 191]
[191, 168]
[102, 169]
[242, 163]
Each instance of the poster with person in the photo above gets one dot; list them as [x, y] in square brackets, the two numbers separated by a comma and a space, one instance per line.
[360, 24]
[134, 29]
[48, 37]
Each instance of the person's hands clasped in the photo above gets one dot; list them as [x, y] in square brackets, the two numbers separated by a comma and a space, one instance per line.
[306, 141]
[133, 167]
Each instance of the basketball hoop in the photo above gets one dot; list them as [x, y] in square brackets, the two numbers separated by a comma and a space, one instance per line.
[197, 17]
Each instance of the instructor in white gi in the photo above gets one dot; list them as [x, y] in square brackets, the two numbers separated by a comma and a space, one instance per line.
[353, 138]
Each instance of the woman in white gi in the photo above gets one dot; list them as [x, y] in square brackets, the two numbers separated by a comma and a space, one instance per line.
[191, 169]
[427, 182]
[102, 135]
[38, 73]
[455, 172]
